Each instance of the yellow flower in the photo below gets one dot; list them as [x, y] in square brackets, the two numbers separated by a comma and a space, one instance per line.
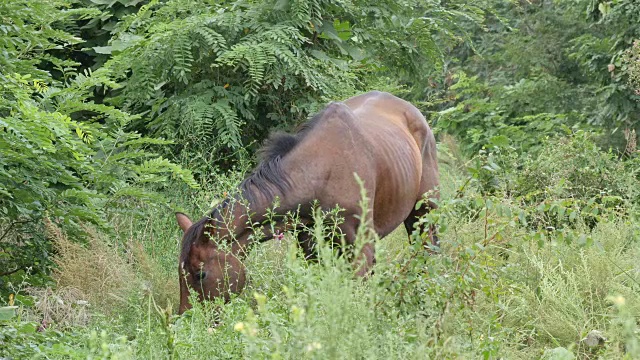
[239, 326]
[313, 346]
[619, 300]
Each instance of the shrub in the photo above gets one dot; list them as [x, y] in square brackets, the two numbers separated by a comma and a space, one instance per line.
[217, 77]
[573, 167]
[64, 156]
[568, 176]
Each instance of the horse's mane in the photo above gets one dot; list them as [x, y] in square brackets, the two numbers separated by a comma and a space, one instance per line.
[190, 236]
[267, 177]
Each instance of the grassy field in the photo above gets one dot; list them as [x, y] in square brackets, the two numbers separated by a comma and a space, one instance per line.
[498, 289]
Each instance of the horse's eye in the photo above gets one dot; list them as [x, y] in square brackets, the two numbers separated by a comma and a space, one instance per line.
[200, 275]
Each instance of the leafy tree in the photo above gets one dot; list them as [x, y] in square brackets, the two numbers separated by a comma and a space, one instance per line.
[98, 30]
[218, 77]
[612, 27]
[63, 155]
[542, 67]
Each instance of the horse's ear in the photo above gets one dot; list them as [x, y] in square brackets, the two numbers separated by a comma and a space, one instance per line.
[184, 221]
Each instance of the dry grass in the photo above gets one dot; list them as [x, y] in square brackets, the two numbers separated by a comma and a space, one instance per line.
[65, 307]
[163, 285]
[101, 277]
[94, 272]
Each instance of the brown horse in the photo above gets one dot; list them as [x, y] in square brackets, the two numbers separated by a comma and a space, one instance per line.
[383, 139]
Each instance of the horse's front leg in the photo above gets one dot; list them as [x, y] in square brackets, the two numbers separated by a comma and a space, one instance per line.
[308, 245]
[365, 260]
[366, 257]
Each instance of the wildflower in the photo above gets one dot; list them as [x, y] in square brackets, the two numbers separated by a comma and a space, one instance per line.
[261, 300]
[313, 346]
[239, 326]
[619, 300]
[297, 313]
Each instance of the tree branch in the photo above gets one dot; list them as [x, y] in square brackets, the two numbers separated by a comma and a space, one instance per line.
[14, 223]
[7, 273]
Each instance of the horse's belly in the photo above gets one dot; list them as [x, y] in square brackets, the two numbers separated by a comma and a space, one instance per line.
[397, 190]
[388, 221]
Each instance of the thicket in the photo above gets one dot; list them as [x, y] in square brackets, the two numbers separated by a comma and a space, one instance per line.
[543, 68]
[64, 156]
[217, 77]
[108, 107]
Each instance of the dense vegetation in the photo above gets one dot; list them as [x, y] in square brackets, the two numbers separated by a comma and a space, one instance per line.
[116, 113]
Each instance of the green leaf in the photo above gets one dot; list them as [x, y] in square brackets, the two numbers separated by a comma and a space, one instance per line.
[604, 8]
[103, 49]
[7, 312]
[499, 141]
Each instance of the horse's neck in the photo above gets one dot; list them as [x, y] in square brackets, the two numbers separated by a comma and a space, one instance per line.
[243, 213]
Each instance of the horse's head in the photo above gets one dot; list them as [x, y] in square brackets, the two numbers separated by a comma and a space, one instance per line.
[204, 267]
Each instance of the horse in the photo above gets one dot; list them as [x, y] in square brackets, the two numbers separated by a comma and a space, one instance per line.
[377, 137]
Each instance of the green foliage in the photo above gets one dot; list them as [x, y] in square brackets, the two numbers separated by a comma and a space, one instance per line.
[505, 115]
[632, 62]
[499, 287]
[28, 38]
[567, 179]
[600, 53]
[23, 339]
[64, 156]
[539, 231]
[217, 77]
[98, 30]
[575, 167]
[540, 67]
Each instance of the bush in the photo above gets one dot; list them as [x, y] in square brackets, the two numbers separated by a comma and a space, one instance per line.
[518, 115]
[568, 176]
[575, 167]
[64, 156]
[218, 77]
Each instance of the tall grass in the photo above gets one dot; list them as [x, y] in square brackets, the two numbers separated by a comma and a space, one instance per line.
[493, 291]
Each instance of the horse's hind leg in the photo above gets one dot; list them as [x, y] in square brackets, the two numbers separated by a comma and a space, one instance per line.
[411, 221]
[430, 179]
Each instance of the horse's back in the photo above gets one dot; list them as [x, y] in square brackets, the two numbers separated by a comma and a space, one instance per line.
[404, 150]
[383, 115]
[388, 110]
[383, 139]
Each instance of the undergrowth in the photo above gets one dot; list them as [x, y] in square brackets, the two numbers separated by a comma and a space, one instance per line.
[508, 282]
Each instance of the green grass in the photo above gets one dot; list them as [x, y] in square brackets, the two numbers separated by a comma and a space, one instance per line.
[505, 297]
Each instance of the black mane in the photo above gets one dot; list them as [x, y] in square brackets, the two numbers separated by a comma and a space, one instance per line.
[268, 177]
